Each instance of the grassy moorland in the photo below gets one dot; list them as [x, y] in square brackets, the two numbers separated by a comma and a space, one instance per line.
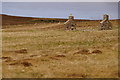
[46, 50]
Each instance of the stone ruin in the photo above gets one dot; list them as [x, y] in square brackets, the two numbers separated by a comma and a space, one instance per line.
[69, 24]
[105, 24]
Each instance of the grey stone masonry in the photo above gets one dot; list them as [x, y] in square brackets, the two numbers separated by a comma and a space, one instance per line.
[105, 24]
[69, 24]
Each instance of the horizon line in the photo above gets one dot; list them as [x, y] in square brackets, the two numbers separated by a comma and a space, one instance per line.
[51, 17]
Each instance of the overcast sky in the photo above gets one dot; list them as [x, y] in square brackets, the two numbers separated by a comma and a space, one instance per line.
[81, 10]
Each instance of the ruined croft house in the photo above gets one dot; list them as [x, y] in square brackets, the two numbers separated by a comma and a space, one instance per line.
[105, 24]
[70, 24]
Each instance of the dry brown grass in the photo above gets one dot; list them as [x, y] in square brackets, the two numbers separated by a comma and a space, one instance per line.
[44, 45]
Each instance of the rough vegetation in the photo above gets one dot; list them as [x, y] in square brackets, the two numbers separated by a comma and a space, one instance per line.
[46, 50]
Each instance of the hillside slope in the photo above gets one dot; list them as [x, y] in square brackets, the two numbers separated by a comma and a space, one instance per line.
[8, 20]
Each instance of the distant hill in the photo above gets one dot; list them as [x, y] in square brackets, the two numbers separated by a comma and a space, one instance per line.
[14, 20]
